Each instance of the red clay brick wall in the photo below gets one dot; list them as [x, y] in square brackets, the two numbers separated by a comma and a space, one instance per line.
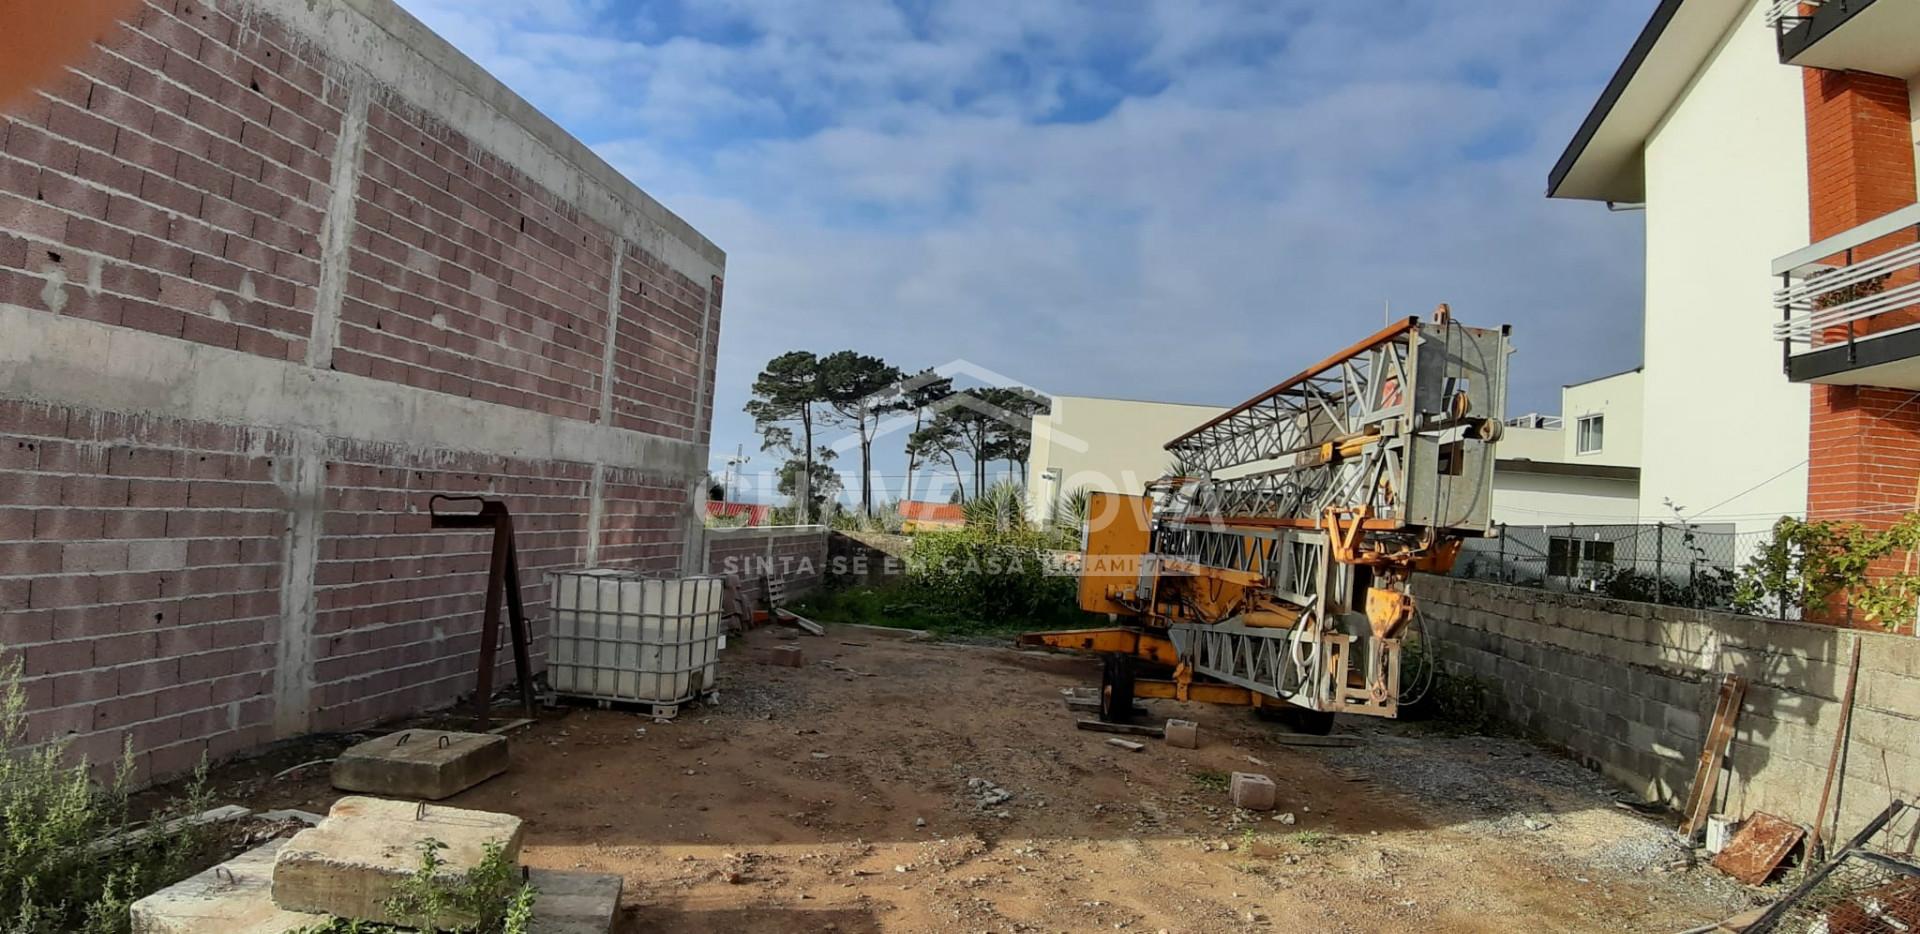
[140, 572]
[179, 174]
[1864, 442]
[1859, 148]
[153, 567]
[656, 367]
[468, 279]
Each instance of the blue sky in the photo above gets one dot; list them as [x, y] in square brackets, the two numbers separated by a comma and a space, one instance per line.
[1182, 200]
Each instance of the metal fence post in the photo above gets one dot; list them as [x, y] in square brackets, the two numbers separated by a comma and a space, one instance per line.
[1659, 560]
[1573, 556]
[1502, 566]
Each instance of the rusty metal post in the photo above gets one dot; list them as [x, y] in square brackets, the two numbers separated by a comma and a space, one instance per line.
[490, 629]
[503, 581]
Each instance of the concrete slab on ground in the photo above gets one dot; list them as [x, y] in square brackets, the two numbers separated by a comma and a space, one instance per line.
[351, 863]
[235, 898]
[231, 898]
[574, 902]
[430, 764]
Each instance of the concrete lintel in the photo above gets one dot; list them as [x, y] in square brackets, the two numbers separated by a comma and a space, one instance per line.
[71, 361]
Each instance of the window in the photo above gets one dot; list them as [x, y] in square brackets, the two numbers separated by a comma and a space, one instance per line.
[1560, 556]
[1573, 557]
[1593, 431]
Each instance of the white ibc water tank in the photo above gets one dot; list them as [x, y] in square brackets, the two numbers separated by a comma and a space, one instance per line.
[619, 636]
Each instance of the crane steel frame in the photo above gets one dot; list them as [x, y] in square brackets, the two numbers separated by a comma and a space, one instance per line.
[1274, 569]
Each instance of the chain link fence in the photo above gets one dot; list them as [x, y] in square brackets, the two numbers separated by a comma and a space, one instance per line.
[1654, 562]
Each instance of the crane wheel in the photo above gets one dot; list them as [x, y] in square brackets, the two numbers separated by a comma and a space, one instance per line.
[1116, 688]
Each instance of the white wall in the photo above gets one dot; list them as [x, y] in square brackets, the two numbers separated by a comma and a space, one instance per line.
[1531, 444]
[1539, 499]
[1726, 193]
[1618, 400]
[1107, 445]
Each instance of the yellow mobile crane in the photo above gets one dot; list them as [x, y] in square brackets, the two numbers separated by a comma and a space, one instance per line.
[1273, 569]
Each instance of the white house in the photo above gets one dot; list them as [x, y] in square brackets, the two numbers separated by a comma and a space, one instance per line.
[1749, 130]
[1580, 467]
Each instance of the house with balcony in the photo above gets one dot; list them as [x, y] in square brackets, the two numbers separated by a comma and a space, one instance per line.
[1770, 146]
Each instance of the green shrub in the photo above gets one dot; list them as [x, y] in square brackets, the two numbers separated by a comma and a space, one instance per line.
[72, 859]
[1000, 508]
[989, 576]
[1807, 565]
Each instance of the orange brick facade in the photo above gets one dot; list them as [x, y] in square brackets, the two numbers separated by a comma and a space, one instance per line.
[1864, 442]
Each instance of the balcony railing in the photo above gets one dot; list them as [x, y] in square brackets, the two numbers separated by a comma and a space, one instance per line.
[1788, 11]
[1856, 285]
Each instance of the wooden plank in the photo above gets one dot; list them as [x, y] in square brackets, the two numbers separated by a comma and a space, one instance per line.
[1130, 729]
[1308, 739]
[1078, 702]
[804, 624]
[1713, 751]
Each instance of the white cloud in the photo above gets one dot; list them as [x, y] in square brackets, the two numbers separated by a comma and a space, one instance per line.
[887, 181]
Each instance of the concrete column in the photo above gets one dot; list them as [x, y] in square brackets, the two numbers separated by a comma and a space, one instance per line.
[336, 231]
[302, 476]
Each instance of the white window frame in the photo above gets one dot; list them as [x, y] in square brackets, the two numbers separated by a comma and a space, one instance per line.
[1599, 421]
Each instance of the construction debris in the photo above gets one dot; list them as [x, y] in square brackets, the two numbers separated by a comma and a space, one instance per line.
[1856, 891]
[801, 623]
[1756, 851]
[1127, 744]
[1309, 739]
[987, 795]
[1130, 729]
[1252, 791]
[789, 656]
[1184, 734]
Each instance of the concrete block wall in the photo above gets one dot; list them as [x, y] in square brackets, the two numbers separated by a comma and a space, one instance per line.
[272, 273]
[796, 554]
[1630, 689]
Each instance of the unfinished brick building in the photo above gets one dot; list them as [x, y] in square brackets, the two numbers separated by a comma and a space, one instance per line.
[271, 274]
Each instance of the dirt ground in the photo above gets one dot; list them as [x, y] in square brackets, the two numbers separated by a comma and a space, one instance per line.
[862, 792]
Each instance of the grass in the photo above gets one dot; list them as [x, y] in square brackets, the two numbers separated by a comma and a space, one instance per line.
[1310, 839]
[901, 606]
[1210, 780]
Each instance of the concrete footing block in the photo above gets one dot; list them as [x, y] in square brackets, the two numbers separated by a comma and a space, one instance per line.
[353, 862]
[790, 656]
[235, 898]
[430, 764]
[231, 898]
[1183, 733]
[1253, 792]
